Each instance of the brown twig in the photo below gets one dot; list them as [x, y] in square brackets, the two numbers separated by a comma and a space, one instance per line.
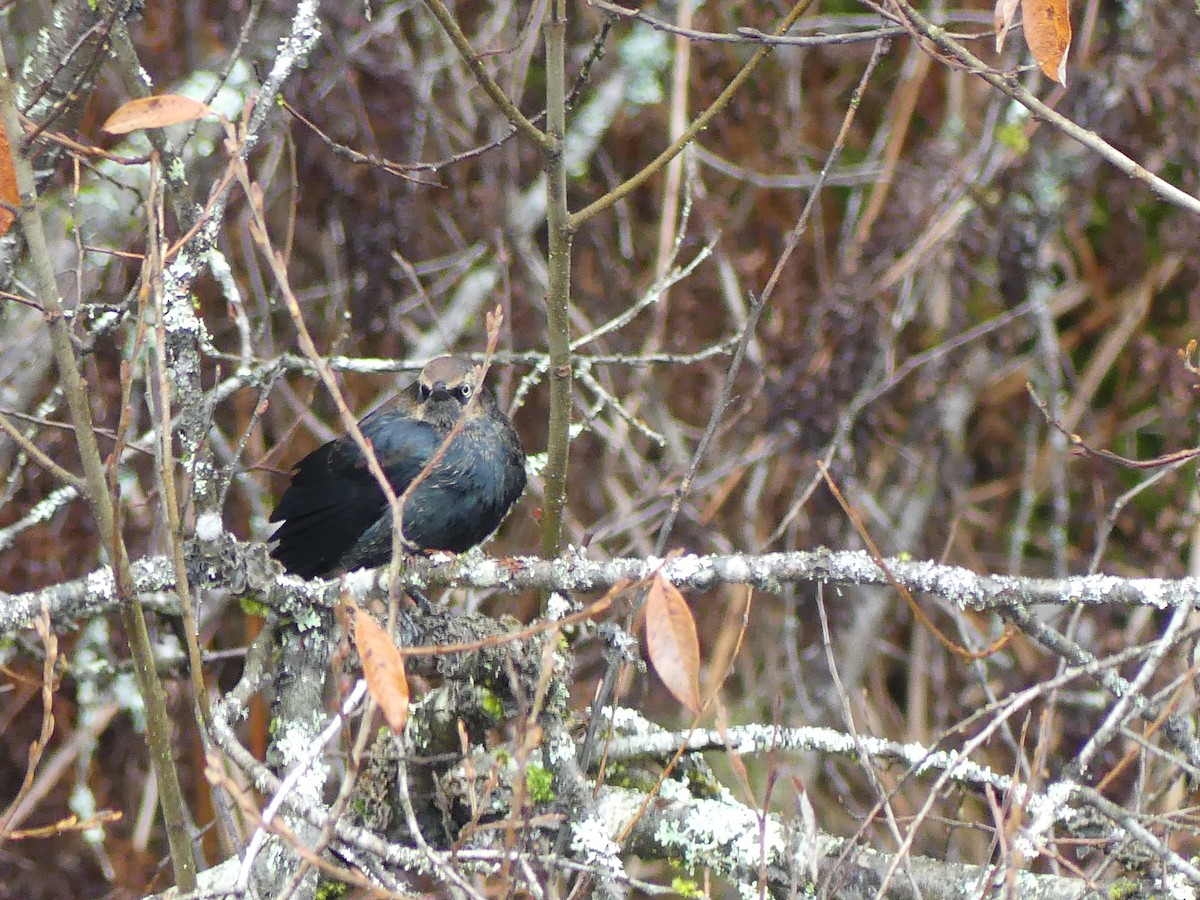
[701, 122]
[491, 88]
[39, 455]
[1082, 449]
[903, 591]
[38, 746]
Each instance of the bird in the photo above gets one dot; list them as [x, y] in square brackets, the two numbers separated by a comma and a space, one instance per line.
[334, 516]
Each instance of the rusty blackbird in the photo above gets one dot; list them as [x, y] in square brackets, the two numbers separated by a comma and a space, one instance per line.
[334, 514]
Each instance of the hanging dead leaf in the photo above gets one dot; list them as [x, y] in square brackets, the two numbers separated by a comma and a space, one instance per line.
[155, 112]
[8, 183]
[1006, 11]
[1047, 25]
[672, 644]
[383, 667]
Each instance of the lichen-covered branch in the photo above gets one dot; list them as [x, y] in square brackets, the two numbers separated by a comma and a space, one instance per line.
[742, 844]
[241, 566]
[187, 337]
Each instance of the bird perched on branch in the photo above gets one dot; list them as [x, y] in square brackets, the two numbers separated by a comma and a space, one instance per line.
[335, 516]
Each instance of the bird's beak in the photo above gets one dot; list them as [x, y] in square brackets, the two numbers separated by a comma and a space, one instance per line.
[439, 391]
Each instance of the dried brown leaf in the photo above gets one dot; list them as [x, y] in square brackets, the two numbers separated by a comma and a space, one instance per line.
[672, 644]
[155, 112]
[8, 183]
[1047, 25]
[383, 667]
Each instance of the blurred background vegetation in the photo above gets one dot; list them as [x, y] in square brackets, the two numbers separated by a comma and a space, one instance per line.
[959, 251]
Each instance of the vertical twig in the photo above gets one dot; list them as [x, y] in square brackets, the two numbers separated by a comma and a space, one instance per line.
[558, 292]
[166, 451]
[676, 124]
[158, 724]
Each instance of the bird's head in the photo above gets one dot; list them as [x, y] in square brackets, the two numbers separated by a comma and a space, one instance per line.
[444, 388]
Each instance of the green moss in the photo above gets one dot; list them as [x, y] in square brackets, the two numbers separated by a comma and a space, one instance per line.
[685, 887]
[539, 785]
[332, 890]
[701, 783]
[252, 606]
[492, 705]
[617, 774]
[1013, 137]
[1121, 889]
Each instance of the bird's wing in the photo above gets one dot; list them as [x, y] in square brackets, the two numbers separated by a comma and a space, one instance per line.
[403, 445]
[333, 497]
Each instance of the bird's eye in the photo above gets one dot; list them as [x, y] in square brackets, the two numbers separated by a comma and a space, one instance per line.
[423, 391]
[463, 390]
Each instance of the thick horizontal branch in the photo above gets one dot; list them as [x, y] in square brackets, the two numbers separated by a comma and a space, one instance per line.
[229, 564]
[743, 845]
[745, 740]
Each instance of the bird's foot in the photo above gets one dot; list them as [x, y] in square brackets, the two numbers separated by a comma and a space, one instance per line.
[423, 603]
